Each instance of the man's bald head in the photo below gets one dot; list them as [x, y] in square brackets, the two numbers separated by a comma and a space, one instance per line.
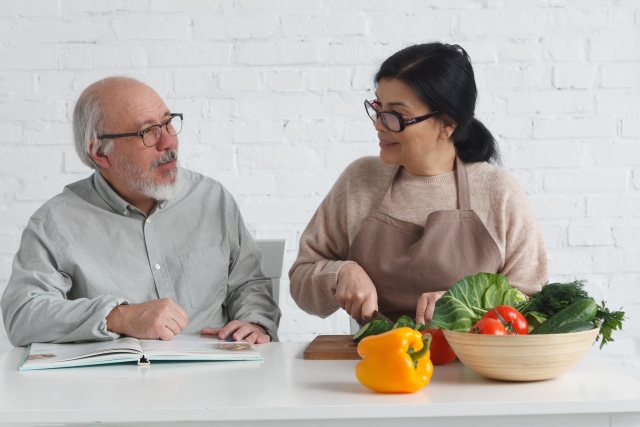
[115, 83]
[100, 107]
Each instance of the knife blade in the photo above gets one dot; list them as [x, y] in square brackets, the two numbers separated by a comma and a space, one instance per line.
[377, 315]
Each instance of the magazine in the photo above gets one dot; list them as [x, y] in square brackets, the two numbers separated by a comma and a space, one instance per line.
[122, 350]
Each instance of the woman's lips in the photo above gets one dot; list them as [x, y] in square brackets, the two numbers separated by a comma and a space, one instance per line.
[387, 144]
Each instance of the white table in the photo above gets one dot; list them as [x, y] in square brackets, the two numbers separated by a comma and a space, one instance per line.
[286, 390]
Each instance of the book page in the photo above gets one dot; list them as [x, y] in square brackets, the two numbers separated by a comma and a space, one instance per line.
[55, 353]
[205, 347]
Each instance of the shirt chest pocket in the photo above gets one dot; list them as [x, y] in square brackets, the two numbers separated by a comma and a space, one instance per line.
[206, 272]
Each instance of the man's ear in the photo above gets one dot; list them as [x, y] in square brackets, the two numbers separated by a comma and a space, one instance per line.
[98, 156]
[447, 126]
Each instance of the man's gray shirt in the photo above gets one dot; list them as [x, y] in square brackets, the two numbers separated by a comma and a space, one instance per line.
[87, 250]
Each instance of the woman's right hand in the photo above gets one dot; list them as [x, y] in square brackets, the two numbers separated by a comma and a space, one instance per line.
[356, 293]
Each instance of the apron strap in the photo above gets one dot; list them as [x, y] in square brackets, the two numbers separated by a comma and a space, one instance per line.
[464, 198]
[385, 205]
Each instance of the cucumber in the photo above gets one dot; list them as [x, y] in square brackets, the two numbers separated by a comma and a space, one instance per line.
[362, 332]
[573, 327]
[383, 326]
[403, 321]
[374, 327]
[581, 310]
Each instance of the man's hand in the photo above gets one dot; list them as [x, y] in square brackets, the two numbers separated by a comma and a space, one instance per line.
[426, 305]
[158, 319]
[250, 332]
[356, 293]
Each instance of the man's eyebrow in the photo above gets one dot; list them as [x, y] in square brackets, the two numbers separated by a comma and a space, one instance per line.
[149, 122]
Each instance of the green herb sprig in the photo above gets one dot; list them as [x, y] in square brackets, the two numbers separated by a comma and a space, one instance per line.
[608, 322]
[554, 297]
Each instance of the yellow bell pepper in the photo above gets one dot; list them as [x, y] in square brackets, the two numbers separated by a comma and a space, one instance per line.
[395, 362]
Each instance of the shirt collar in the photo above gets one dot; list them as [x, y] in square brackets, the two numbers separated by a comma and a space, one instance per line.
[116, 202]
[107, 193]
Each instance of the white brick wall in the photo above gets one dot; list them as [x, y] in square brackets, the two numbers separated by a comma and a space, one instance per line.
[272, 93]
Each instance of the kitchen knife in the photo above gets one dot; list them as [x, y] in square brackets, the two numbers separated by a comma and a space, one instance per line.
[377, 315]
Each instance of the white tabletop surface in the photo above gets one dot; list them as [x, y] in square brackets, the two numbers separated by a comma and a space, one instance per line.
[286, 387]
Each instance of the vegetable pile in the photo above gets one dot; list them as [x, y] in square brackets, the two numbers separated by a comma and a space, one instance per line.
[557, 308]
[467, 301]
[441, 351]
[485, 303]
[566, 307]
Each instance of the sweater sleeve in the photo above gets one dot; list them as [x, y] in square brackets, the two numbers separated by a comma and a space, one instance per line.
[324, 247]
[525, 261]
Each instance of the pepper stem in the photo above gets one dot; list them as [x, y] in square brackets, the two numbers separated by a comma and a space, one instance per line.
[426, 341]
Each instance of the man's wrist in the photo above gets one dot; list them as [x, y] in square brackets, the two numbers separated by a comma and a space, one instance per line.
[114, 320]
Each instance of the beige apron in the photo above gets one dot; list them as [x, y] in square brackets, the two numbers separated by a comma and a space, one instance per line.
[405, 260]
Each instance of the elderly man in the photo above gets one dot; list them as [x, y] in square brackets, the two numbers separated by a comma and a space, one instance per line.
[141, 248]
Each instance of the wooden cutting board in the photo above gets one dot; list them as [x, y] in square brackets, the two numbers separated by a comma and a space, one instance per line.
[332, 347]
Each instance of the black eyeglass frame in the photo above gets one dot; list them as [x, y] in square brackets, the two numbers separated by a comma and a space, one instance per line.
[145, 130]
[403, 122]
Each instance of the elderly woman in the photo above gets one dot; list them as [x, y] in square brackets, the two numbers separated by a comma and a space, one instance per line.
[395, 232]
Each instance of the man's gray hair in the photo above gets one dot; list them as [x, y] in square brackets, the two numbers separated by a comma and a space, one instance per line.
[88, 122]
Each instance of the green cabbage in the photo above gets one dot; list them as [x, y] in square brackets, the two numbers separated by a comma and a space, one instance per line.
[469, 299]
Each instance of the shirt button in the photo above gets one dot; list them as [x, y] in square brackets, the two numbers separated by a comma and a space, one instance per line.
[148, 221]
[157, 266]
[125, 212]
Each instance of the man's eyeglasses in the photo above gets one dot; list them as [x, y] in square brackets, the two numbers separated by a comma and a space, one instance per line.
[151, 135]
[392, 120]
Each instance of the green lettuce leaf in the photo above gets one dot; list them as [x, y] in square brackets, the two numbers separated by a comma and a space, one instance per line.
[535, 319]
[469, 299]
[513, 297]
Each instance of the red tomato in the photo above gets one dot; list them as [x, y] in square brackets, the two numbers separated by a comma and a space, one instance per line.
[441, 351]
[512, 319]
[489, 327]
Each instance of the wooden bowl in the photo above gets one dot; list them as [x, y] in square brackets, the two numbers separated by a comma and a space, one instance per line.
[521, 357]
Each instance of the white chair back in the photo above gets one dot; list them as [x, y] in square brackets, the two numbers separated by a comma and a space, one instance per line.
[272, 259]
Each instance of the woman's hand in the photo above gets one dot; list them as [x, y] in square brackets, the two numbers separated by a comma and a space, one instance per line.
[356, 293]
[426, 305]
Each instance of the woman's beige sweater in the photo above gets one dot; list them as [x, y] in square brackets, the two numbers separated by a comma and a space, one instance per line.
[496, 197]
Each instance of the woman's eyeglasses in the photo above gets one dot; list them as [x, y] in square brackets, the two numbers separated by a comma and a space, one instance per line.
[390, 119]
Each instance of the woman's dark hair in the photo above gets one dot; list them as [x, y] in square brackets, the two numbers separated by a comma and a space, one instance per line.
[442, 77]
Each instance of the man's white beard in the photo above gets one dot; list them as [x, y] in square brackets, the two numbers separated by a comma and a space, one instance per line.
[141, 181]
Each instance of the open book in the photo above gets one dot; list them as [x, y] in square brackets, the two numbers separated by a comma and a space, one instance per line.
[180, 348]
